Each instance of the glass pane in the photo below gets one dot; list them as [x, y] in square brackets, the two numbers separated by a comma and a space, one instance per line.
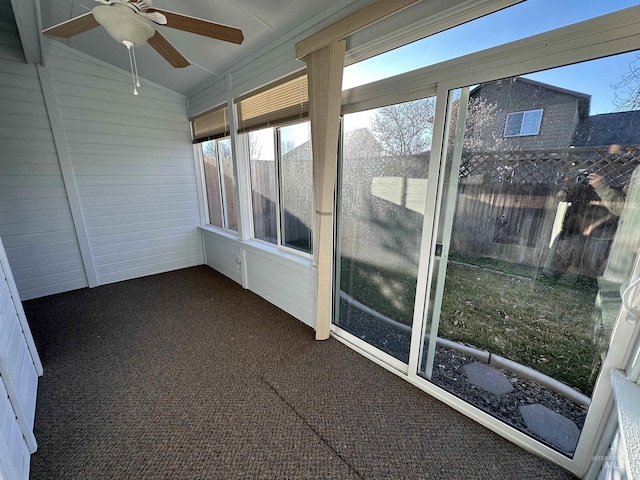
[296, 185]
[385, 159]
[263, 185]
[212, 181]
[531, 122]
[229, 182]
[507, 25]
[514, 122]
[539, 239]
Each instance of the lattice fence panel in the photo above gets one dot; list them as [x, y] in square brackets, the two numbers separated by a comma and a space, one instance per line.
[549, 166]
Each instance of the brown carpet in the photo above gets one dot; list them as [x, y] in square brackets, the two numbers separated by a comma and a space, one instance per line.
[185, 375]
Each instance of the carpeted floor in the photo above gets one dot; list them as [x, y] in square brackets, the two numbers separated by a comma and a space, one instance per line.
[185, 375]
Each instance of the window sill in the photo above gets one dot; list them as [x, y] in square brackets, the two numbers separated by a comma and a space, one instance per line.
[231, 235]
[260, 247]
[264, 248]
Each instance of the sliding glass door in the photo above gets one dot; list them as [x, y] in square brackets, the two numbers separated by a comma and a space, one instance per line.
[385, 160]
[535, 241]
[485, 244]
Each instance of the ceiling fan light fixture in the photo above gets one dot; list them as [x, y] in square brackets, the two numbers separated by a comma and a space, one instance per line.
[123, 24]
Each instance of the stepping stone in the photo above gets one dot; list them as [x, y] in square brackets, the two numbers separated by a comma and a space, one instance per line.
[488, 378]
[559, 431]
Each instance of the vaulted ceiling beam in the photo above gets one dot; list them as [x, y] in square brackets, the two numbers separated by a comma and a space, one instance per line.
[28, 21]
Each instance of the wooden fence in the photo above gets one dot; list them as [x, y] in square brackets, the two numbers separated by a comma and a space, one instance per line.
[296, 196]
[507, 203]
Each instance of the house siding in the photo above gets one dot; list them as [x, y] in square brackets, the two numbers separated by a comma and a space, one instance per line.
[36, 225]
[96, 185]
[559, 118]
[133, 168]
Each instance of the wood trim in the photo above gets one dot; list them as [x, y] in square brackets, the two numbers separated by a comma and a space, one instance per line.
[324, 70]
[352, 23]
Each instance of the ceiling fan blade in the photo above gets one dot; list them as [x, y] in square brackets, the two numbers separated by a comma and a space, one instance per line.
[201, 27]
[73, 27]
[168, 51]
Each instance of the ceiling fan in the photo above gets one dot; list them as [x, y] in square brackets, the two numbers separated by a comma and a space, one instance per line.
[133, 23]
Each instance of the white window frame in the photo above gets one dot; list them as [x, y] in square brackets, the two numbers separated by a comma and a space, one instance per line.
[524, 113]
[603, 36]
[222, 198]
[277, 153]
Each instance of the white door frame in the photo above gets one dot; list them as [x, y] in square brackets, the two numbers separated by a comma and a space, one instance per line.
[610, 34]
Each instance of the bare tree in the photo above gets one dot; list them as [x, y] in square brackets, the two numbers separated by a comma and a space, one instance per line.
[209, 149]
[224, 147]
[287, 146]
[480, 133]
[360, 143]
[255, 148]
[629, 87]
[405, 128]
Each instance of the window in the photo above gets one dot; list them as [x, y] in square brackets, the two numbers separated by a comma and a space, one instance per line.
[212, 182]
[211, 133]
[264, 194]
[520, 124]
[273, 120]
[505, 25]
[220, 182]
[281, 185]
[296, 185]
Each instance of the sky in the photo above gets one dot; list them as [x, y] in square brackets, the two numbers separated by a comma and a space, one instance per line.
[520, 21]
[528, 18]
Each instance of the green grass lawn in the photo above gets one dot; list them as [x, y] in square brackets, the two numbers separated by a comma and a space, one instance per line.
[501, 308]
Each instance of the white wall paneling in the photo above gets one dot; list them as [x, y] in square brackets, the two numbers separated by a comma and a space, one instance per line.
[132, 167]
[96, 185]
[27, 15]
[14, 454]
[286, 280]
[67, 173]
[20, 367]
[222, 253]
[35, 217]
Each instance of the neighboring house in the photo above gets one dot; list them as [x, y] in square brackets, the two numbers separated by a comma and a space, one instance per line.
[539, 116]
[619, 128]
[537, 139]
[357, 142]
[535, 116]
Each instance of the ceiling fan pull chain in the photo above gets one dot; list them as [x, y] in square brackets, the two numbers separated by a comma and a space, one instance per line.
[136, 82]
[135, 66]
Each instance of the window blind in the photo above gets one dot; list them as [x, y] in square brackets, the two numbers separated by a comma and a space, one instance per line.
[286, 101]
[210, 125]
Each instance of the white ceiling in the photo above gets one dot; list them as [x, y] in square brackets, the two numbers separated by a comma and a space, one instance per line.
[263, 22]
